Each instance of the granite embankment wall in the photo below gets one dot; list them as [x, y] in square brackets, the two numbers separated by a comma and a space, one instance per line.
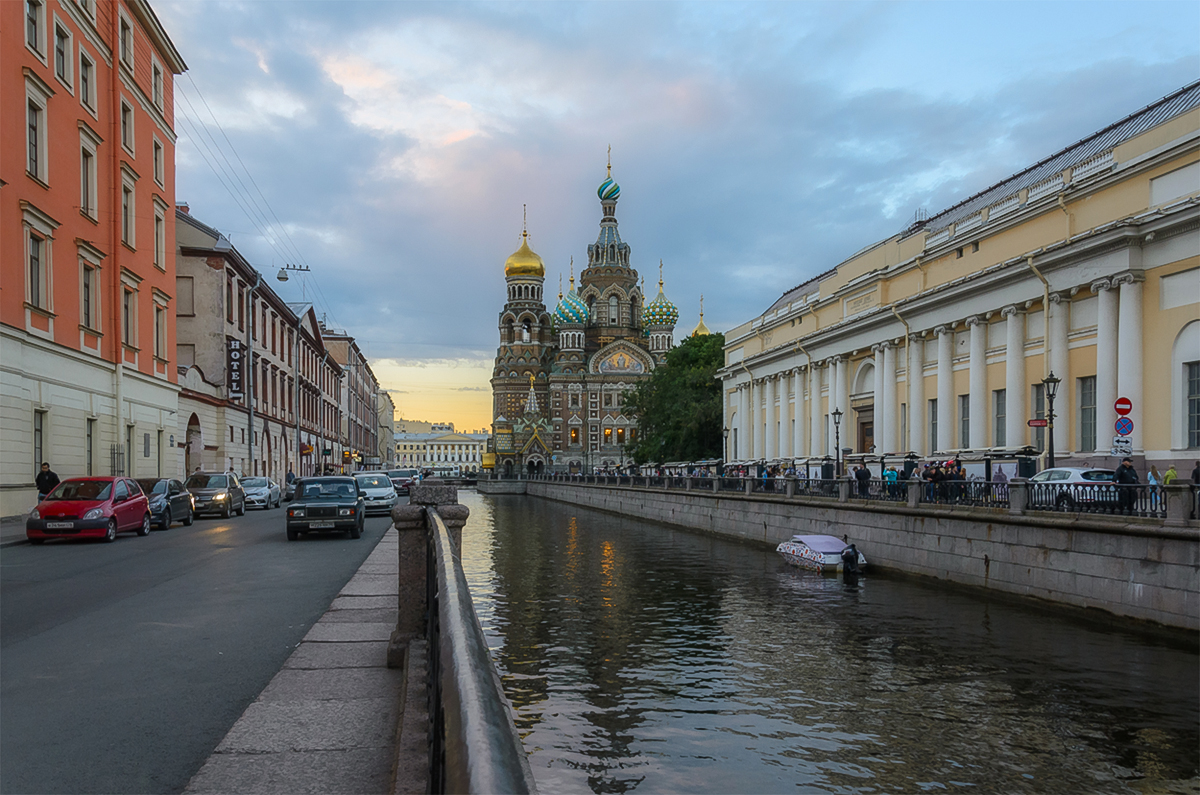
[1137, 568]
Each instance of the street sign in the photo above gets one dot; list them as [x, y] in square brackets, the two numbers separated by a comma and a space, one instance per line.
[1123, 426]
[1123, 406]
[1038, 423]
[327, 452]
[1122, 445]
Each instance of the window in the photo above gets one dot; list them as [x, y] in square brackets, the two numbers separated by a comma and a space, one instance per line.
[34, 137]
[1000, 429]
[127, 317]
[620, 436]
[160, 240]
[185, 354]
[608, 399]
[34, 11]
[1087, 414]
[39, 427]
[160, 332]
[933, 431]
[86, 82]
[228, 299]
[1193, 405]
[608, 435]
[87, 316]
[159, 167]
[87, 182]
[127, 210]
[1039, 412]
[185, 296]
[125, 42]
[127, 126]
[62, 55]
[156, 86]
[964, 421]
[37, 271]
[614, 310]
[91, 444]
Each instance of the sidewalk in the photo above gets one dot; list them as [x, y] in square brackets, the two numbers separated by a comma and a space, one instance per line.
[12, 530]
[329, 721]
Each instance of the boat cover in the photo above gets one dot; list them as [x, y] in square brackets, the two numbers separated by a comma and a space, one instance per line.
[826, 545]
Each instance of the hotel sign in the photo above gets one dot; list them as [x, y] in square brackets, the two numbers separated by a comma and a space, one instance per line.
[234, 353]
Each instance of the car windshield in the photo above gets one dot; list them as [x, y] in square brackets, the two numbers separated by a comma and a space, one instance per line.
[328, 490]
[88, 490]
[254, 483]
[402, 473]
[152, 486]
[207, 482]
[1105, 475]
[374, 482]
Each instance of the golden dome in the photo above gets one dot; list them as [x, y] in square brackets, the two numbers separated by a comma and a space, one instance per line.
[523, 262]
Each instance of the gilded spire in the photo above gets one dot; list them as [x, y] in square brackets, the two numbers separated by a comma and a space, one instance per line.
[610, 161]
[560, 290]
[660, 281]
[572, 273]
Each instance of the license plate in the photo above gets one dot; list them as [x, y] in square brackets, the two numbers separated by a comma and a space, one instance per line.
[320, 525]
[59, 525]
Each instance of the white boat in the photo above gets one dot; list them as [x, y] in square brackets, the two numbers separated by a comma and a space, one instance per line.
[819, 553]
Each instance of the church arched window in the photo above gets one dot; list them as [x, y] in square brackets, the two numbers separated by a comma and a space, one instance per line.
[614, 310]
[612, 253]
[525, 331]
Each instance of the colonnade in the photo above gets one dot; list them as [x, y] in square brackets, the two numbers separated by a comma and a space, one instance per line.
[765, 427]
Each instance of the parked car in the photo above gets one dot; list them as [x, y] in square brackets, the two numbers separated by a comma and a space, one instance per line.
[326, 503]
[1066, 487]
[402, 479]
[96, 507]
[217, 492]
[379, 493]
[289, 489]
[169, 501]
[262, 493]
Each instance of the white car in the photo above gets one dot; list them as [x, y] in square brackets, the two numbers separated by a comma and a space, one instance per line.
[262, 492]
[1066, 487]
[379, 493]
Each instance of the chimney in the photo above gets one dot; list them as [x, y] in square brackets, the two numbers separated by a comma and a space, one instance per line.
[182, 206]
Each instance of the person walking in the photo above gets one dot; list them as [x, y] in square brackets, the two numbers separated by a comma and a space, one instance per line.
[1196, 474]
[1170, 476]
[863, 476]
[1126, 476]
[46, 481]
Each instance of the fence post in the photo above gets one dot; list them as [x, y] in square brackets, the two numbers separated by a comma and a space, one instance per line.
[409, 521]
[749, 485]
[914, 492]
[1018, 496]
[790, 489]
[716, 484]
[845, 484]
[1178, 497]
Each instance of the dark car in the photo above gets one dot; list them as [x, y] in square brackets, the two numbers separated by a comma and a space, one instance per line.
[169, 502]
[217, 492]
[326, 503]
[97, 507]
[402, 479]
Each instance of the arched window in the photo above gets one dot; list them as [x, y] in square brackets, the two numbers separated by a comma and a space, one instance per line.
[614, 310]
[525, 331]
[612, 253]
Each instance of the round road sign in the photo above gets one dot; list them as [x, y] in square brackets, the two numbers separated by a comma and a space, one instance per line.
[1123, 406]
[1124, 426]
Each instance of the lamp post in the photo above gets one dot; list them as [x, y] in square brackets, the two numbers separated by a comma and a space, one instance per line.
[837, 442]
[1050, 385]
[282, 276]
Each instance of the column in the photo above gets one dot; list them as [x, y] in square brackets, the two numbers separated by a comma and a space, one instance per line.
[797, 449]
[756, 417]
[945, 387]
[1106, 363]
[916, 441]
[1129, 353]
[814, 410]
[770, 435]
[784, 417]
[744, 432]
[1057, 324]
[891, 427]
[978, 383]
[1014, 378]
[877, 400]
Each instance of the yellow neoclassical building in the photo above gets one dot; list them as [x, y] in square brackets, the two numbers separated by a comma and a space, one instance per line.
[937, 340]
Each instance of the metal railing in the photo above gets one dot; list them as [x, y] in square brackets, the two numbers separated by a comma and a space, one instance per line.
[1137, 499]
[978, 493]
[879, 489]
[474, 746]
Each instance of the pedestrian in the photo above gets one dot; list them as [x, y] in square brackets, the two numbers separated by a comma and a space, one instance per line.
[892, 477]
[1170, 476]
[863, 476]
[1154, 479]
[1126, 477]
[46, 481]
[1196, 474]
[291, 476]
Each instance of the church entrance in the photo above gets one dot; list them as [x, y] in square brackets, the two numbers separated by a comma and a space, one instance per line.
[534, 467]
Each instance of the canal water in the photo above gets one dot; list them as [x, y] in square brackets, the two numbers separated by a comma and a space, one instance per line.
[641, 658]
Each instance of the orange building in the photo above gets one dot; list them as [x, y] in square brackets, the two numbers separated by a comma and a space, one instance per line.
[87, 240]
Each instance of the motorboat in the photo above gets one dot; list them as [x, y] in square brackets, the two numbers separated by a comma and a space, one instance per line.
[819, 553]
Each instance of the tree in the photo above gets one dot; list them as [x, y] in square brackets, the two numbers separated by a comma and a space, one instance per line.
[678, 408]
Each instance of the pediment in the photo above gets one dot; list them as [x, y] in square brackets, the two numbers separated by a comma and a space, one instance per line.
[620, 357]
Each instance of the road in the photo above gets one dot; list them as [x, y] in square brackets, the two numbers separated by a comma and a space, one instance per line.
[123, 665]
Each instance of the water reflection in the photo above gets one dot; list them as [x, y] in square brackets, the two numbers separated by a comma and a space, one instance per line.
[643, 658]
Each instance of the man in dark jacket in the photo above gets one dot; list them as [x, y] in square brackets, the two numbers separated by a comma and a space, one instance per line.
[1126, 475]
[1196, 474]
[863, 476]
[46, 481]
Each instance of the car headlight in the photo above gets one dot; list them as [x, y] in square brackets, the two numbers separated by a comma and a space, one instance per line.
[345, 511]
[95, 513]
[34, 514]
[296, 512]
[220, 496]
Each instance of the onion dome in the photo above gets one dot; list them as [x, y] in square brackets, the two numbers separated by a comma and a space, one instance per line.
[660, 311]
[571, 310]
[609, 190]
[523, 262]
[701, 330]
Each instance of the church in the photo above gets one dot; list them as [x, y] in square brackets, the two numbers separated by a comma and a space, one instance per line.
[561, 377]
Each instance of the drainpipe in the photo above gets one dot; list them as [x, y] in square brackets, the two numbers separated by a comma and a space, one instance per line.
[1045, 312]
[118, 336]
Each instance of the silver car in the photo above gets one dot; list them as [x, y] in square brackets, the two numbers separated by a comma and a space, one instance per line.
[380, 494]
[262, 493]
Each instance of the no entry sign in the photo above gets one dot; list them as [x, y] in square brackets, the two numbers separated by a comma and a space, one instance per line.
[1123, 426]
[1123, 406]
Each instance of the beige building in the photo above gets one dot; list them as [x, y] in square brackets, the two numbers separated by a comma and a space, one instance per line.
[440, 449]
[937, 340]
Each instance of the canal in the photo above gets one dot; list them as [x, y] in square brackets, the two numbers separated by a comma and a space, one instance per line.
[642, 658]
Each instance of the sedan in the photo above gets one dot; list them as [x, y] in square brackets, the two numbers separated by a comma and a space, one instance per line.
[97, 507]
[169, 501]
[326, 503]
[262, 493]
[217, 492]
[380, 494]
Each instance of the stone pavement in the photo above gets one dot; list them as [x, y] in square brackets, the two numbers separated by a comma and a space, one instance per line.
[330, 720]
[12, 530]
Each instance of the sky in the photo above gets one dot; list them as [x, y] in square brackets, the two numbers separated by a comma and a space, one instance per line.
[393, 148]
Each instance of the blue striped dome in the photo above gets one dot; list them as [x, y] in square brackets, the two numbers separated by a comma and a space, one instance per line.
[660, 311]
[609, 190]
[571, 310]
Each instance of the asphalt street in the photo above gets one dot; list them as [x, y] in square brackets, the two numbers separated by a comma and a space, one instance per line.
[123, 665]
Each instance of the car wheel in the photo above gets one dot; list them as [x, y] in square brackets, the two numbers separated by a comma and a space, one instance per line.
[187, 520]
[144, 530]
[242, 510]
[227, 511]
[292, 535]
[356, 531]
[110, 535]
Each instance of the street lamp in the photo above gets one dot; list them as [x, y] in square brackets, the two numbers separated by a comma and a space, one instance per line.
[1050, 385]
[837, 442]
[724, 451]
[283, 277]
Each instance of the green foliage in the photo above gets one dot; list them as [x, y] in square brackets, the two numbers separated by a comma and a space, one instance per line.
[678, 408]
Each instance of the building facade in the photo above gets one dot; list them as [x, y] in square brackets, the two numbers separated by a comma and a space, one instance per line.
[559, 380]
[460, 452]
[938, 340]
[86, 226]
[359, 402]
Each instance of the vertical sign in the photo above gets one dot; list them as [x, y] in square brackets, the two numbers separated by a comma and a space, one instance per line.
[233, 366]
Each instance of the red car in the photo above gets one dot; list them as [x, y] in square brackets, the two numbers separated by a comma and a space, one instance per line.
[90, 508]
